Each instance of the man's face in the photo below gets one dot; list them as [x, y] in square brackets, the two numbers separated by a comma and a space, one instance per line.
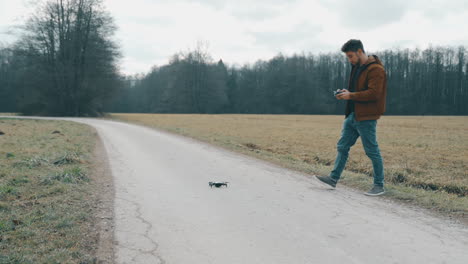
[353, 57]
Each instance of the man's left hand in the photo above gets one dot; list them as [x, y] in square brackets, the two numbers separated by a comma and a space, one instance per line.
[345, 95]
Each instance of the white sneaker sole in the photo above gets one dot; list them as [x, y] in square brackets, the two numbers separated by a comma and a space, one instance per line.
[374, 194]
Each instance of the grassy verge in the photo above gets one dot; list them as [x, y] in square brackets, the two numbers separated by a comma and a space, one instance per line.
[46, 214]
[425, 158]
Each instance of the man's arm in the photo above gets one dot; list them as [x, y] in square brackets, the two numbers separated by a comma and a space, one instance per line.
[375, 86]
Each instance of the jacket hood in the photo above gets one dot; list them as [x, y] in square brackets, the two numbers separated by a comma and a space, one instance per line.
[373, 59]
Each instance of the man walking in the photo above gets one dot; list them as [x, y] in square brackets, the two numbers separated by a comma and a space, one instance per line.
[366, 94]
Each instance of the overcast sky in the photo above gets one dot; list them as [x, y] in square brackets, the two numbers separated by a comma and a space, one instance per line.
[242, 31]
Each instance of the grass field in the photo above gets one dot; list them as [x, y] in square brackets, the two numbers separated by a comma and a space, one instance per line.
[46, 210]
[425, 157]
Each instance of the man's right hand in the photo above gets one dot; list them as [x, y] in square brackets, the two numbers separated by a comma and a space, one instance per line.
[344, 95]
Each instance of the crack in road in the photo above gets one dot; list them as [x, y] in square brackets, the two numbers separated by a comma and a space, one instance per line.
[153, 251]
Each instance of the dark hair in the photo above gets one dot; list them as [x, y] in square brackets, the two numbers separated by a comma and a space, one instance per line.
[352, 45]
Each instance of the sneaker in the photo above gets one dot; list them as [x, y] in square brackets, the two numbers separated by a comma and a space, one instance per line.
[328, 180]
[375, 191]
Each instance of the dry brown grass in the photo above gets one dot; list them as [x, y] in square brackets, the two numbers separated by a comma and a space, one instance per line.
[424, 155]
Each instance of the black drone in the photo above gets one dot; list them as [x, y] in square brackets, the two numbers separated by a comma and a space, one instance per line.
[217, 184]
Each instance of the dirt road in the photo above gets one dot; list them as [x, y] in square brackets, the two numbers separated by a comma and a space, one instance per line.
[165, 212]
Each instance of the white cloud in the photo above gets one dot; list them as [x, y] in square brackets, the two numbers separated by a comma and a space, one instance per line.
[366, 14]
[12, 14]
[151, 31]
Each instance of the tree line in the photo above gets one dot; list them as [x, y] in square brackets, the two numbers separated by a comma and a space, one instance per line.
[433, 81]
[66, 64]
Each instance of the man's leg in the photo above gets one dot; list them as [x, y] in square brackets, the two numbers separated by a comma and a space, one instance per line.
[367, 131]
[348, 138]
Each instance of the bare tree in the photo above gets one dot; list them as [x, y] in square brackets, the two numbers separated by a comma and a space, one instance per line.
[70, 41]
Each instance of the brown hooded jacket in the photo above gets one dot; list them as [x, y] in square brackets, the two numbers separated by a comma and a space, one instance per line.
[370, 91]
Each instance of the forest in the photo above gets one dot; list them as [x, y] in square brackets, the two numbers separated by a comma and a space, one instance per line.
[433, 81]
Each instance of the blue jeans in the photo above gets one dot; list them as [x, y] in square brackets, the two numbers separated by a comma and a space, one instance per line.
[352, 129]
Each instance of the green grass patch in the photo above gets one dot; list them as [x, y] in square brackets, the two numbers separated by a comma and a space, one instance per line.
[45, 211]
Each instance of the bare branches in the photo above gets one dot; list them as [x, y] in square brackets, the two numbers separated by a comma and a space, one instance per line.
[68, 49]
